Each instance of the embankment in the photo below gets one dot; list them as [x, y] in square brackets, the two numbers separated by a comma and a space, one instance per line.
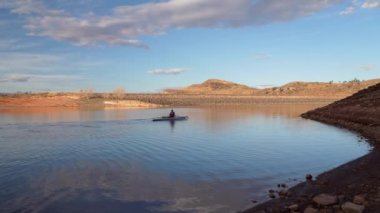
[178, 100]
[100, 100]
[40, 101]
[132, 104]
[352, 187]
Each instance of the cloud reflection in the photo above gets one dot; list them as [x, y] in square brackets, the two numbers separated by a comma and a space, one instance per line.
[131, 185]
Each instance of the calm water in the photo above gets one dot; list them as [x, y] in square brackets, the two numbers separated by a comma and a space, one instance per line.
[121, 161]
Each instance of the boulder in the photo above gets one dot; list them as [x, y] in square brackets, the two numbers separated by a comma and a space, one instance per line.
[349, 207]
[283, 193]
[293, 207]
[272, 195]
[310, 210]
[341, 199]
[309, 177]
[359, 199]
[325, 199]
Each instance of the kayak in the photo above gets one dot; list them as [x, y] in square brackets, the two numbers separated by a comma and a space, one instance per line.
[166, 118]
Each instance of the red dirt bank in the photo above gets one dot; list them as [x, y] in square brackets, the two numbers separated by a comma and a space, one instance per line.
[35, 101]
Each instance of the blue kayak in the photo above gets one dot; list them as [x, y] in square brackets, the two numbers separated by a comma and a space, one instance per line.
[166, 118]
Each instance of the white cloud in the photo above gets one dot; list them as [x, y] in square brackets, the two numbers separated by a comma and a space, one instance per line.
[263, 56]
[356, 4]
[126, 24]
[20, 78]
[348, 11]
[16, 62]
[16, 44]
[26, 7]
[23, 62]
[369, 67]
[370, 4]
[174, 71]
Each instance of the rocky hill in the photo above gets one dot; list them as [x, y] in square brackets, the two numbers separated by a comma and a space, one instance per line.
[219, 87]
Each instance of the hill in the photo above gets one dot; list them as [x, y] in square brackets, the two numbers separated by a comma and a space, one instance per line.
[219, 87]
[214, 86]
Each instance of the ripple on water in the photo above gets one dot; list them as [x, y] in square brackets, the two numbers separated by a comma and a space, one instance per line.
[217, 161]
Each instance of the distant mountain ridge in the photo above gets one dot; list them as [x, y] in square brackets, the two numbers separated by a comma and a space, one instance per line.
[222, 87]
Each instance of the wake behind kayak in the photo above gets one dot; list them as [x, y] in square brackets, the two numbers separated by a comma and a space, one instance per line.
[167, 118]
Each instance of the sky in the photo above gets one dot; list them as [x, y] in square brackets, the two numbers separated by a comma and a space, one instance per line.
[147, 46]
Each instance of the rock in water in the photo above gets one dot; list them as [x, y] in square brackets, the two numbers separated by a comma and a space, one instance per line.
[283, 193]
[272, 195]
[325, 199]
[309, 177]
[293, 207]
[349, 207]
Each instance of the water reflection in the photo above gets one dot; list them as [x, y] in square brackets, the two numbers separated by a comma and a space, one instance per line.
[172, 125]
[210, 114]
[129, 185]
[217, 161]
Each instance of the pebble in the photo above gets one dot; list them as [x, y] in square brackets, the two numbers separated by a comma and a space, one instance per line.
[349, 207]
[272, 195]
[283, 193]
[341, 199]
[293, 207]
[309, 177]
[336, 207]
[310, 210]
[359, 199]
[325, 199]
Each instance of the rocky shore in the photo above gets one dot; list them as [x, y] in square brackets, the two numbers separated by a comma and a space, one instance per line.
[351, 188]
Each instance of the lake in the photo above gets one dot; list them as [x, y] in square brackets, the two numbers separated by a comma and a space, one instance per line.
[222, 158]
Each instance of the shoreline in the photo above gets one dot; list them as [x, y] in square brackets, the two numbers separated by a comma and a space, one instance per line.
[357, 178]
[157, 100]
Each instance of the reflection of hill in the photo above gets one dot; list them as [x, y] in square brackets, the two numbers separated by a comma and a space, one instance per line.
[228, 114]
[220, 119]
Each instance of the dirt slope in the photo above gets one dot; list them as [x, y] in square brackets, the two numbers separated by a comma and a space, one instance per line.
[360, 112]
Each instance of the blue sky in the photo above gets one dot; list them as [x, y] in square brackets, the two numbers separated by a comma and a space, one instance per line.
[146, 46]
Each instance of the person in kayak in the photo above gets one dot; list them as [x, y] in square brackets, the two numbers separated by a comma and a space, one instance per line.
[172, 114]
